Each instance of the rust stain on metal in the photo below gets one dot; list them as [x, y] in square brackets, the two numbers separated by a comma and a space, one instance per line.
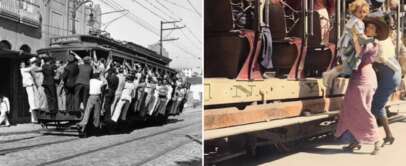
[227, 117]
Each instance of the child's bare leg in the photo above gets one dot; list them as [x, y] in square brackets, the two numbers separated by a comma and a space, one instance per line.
[339, 68]
[329, 76]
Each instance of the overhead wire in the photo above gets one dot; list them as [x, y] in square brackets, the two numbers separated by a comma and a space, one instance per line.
[162, 11]
[184, 50]
[170, 11]
[150, 10]
[143, 23]
[196, 46]
[180, 6]
[189, 30]
[147, 26]
[196, 11]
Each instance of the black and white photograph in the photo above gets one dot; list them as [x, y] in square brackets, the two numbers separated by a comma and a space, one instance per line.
[101, 82]
[202, 82]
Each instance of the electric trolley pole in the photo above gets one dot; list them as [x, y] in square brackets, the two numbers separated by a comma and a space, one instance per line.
[161, 40]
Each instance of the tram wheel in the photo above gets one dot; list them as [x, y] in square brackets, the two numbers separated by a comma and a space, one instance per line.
[162, 119]
[43, 126]
[83, 133]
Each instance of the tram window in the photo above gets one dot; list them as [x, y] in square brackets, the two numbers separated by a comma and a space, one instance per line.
[82, 53]
[118, 59]
[102, 54]
[60, 55]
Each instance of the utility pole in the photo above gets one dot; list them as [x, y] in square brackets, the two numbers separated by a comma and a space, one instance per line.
[76, 5]
[161, 40]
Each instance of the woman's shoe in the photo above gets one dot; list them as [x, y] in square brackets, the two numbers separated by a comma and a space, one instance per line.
[351, 147]
[388, 140]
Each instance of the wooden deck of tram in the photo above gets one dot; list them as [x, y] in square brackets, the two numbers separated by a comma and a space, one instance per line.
[269, 100]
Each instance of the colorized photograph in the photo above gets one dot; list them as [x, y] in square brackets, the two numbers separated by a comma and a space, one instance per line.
[304, 82]
[101, 82]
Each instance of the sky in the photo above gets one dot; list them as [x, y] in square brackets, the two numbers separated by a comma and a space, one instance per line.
[142, 26]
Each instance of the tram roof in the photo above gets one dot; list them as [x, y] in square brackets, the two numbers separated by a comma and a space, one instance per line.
[130, 47]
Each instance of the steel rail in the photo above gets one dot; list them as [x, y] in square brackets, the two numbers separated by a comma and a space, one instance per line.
[120, 143]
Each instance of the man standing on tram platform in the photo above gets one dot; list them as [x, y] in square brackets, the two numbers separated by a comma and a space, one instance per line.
[48, 70]
[82, 82]
[30, 87]
[69, 77]
[112, 83]
[93, 105]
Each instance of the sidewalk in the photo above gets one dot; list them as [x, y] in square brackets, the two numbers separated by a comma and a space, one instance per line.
[20, 129]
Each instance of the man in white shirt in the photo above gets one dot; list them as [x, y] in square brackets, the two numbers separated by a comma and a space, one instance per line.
[4, 109]
[93, 102]
[125, 100]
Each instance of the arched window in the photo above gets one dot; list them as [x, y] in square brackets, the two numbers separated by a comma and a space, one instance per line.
[25, 48]
[4, 44]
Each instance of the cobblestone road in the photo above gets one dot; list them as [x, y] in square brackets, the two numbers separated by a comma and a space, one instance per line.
[175, 143]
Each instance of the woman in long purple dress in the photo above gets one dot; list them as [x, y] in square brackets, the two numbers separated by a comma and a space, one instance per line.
[357, 125]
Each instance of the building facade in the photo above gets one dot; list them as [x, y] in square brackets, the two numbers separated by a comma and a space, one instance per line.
[25, 27]
[59, 19]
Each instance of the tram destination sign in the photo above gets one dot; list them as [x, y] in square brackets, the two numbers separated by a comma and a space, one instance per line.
[65, 39]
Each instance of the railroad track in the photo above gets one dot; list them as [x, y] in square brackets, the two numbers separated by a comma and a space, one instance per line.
[21, 148]
[125, 142]
[45, 133]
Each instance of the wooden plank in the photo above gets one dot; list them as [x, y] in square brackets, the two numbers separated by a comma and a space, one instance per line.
[225, 132]
[247, 128]
[227, 91]
[227, 117]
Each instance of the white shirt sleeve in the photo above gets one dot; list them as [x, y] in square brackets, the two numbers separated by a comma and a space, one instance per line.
[5, 99]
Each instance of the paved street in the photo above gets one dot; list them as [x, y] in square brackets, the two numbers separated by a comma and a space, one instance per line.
[327, 152]
[176, 143]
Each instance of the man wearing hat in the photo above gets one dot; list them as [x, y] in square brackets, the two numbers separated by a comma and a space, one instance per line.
[82, 83]
[48, 70]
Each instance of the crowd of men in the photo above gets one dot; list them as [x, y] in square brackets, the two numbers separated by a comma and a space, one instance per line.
[104, 89]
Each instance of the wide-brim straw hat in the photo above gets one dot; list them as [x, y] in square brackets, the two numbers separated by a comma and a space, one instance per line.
[382, 28]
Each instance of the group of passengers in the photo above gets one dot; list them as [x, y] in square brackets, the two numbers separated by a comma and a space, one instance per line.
[367, 51]
[101, 88]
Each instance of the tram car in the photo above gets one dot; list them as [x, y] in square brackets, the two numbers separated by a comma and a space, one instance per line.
[118, 52]
[264, 61]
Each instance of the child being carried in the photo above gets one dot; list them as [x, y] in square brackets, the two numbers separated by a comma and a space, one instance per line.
[347, 50]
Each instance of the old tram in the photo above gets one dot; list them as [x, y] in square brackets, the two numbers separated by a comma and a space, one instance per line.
[104, 47]
[247, 105]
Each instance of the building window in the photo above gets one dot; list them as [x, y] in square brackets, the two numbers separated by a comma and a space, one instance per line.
[5, 45]
[56, 25]
[70, 18]
[28, 5]
[25, 48]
